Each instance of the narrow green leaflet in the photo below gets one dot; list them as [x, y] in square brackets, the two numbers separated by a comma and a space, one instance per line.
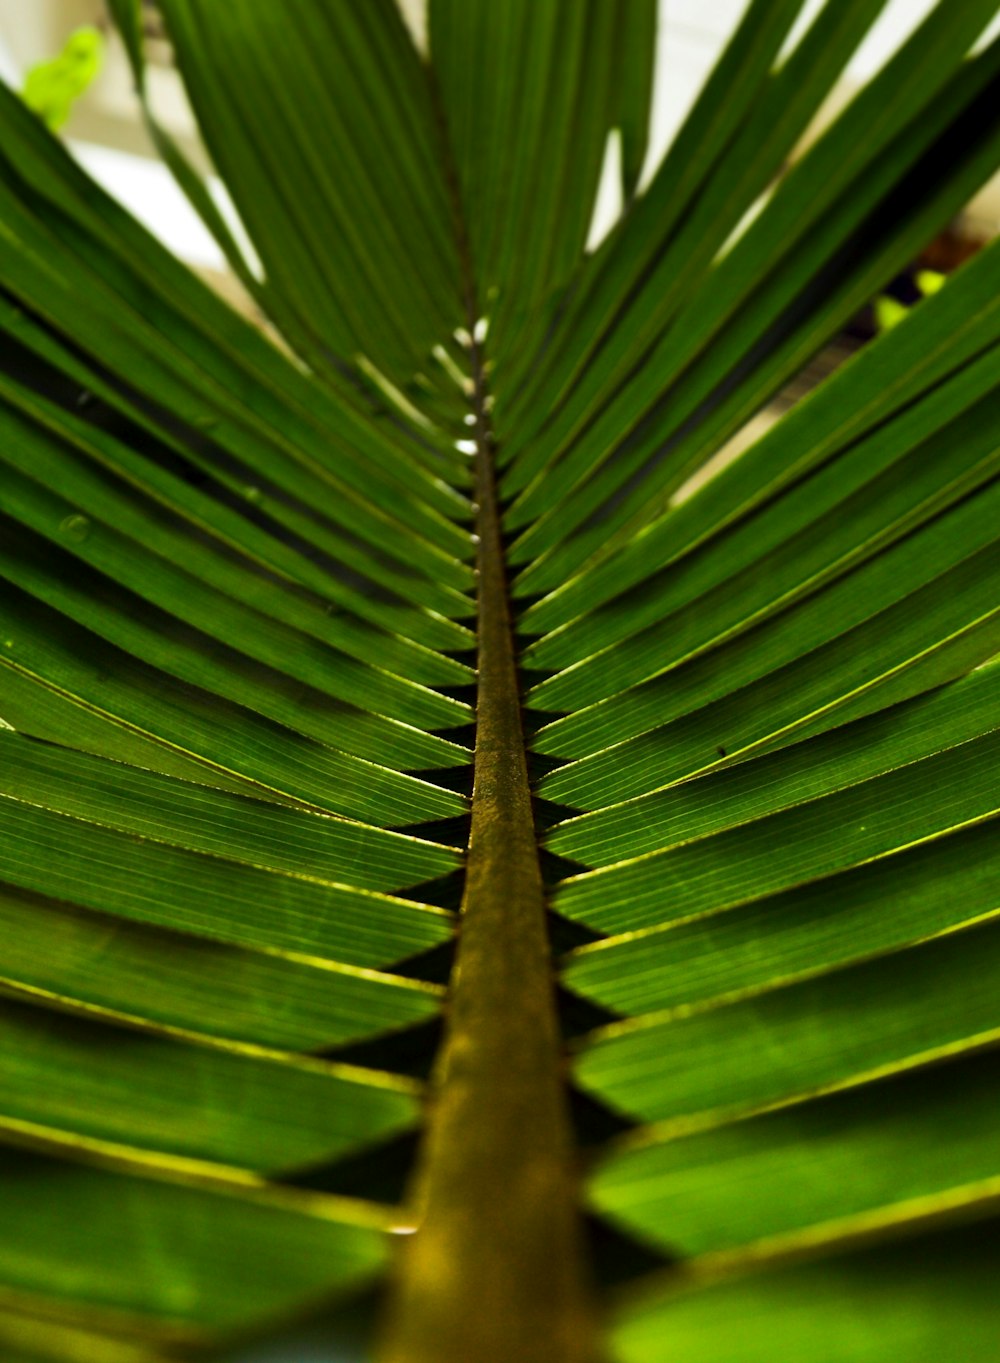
[668, 445]
[715, 618]
[105, 479]
[191, 1258]
[930, 1296]
[881, 489]
[950, 338]
[237, 366]
[177, 486]
[102, 965]
[338, 686]
[930, 888]
[227, 901]
[790, 1040]
[333, 235]
[150, 343]
[772, 705]
[917, 1138]
[529, 143]
[736, 866]
[835, 760]
[632, 87]
[203, 819]
[921, 71]
[52, 648]
[288, 1115]
[730, 91]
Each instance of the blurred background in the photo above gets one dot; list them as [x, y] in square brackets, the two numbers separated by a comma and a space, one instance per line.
[106, 132]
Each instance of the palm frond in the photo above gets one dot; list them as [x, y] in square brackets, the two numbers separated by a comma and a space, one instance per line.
[287, 612]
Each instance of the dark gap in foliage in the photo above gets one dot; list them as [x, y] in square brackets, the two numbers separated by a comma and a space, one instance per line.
[556, 868]
[464, 735]
[524, 638]
[523, 604]
[949, 250]
[444, 892]
[504, 503]
[465, 692]
[548, 813]
[578, 1015]
[566, 935]
[530, 677]
[594, 1123]
[345, 1332]
[377, 1173]
[457, 779]
[537, 719]
[940, 1080]
[453, 832]
[468, 656]
[539, 765]
[433, 966]
[410, 1051]
[617, 1257]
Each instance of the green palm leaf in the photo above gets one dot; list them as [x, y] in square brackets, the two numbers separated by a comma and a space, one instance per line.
[293, 970]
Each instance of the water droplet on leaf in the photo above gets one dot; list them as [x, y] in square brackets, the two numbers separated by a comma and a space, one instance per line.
[75, 528]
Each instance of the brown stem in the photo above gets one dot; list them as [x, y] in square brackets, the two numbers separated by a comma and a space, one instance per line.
[495, 1273]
